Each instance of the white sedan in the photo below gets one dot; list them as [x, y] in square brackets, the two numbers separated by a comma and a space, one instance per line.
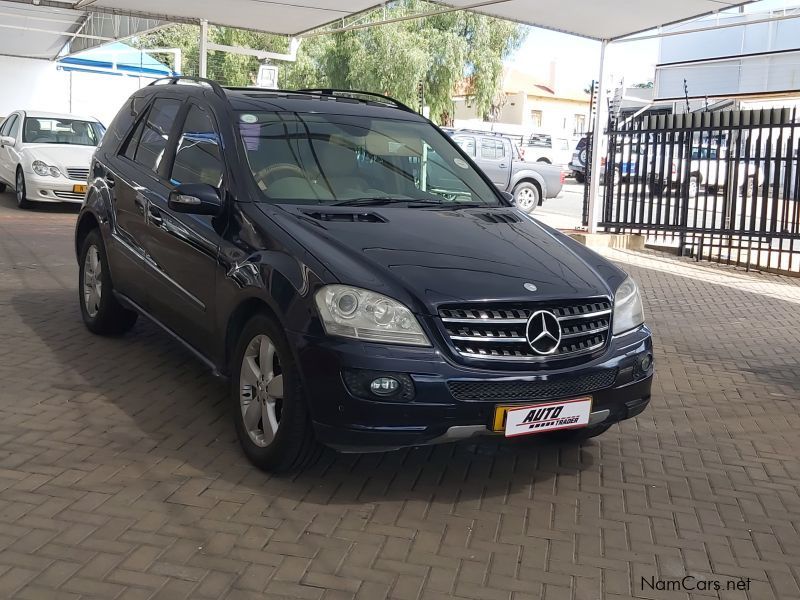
[45, 157]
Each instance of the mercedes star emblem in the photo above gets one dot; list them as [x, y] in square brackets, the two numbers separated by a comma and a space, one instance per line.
[543, 332]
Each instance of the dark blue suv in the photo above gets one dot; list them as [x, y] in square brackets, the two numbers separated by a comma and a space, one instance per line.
[360, 282]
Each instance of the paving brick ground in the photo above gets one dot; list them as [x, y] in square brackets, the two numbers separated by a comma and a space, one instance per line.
[120, 476]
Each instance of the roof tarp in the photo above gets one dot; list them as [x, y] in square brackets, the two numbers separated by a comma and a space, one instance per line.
[599, 19]
[116, 59]
[41, 29]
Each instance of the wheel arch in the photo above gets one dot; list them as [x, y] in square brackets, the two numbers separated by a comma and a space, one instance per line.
[86, 223]
[528, 179]
[248, 307]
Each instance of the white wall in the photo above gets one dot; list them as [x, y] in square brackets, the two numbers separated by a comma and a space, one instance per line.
[39, 85]
[32, 84]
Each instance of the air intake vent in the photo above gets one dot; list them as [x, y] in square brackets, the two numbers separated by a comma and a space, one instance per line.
[498, 217]
[346, 217]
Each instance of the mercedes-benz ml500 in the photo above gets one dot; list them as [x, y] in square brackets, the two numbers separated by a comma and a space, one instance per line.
[358, 279]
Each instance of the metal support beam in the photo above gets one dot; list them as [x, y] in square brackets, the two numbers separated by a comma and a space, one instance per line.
[599, 118]
[203, 67]
[294, 44]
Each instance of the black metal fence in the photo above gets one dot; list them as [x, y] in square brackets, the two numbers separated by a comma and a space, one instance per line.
[720, 186]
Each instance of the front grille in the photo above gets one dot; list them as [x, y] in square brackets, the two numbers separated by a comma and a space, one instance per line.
[498, 332]
[69, 195]
[502, 391]
[78, 174]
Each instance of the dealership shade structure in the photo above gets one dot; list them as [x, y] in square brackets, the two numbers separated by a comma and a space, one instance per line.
[43, 28]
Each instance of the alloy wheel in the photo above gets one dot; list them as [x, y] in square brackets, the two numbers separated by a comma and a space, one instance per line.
[20, 188]
[92, 281]
[527, 199]
[261, 390]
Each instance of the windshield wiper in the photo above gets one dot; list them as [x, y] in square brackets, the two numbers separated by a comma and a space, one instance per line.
[374, 201]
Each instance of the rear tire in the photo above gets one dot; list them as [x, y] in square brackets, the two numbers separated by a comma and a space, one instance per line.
[101, 311]
[580, 177]
[21, 191]
[527, 196]
[2, 187]
[268, 405]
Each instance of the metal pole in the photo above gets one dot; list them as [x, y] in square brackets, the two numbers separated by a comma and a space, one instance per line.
[594, 181]
[203, 67]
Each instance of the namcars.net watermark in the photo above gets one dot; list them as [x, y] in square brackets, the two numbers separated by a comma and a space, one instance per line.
[691, 583]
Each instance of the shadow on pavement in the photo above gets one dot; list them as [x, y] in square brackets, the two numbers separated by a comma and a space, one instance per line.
[148, 400]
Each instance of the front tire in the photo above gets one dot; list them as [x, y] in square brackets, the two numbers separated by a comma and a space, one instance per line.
[527, 196]
[21, 191]
[268, 405]
[2, 187]
[101, 311]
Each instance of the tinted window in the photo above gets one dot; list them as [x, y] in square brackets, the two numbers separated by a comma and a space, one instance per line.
[492, 149]
[467, 144]
[198, 158]
[156, 130]
[129, 150]
[323, 158]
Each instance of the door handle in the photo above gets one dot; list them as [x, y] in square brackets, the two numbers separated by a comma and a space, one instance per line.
[503, 165]
[154, 216]
[110, 181]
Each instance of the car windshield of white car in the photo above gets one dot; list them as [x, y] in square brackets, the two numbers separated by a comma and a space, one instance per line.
[75, 132]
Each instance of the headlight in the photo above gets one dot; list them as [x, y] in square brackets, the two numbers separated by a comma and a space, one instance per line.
[355, 313]
[43, 169]
[628, 311]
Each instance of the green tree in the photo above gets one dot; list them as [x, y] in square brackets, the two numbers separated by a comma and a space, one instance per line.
[443, 52]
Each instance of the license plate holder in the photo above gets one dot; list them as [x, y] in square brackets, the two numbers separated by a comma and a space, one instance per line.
[529, 419]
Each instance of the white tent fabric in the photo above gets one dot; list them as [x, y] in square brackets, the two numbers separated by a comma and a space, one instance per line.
[38, 29]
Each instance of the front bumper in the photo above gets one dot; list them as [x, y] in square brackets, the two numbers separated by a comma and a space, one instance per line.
[52, 189]
[346, 421]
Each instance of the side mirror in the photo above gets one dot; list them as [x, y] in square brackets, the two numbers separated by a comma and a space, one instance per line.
[196, 199]
[509, 197]
[6, 140]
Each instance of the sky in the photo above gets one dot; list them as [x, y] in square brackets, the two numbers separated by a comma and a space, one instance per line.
[578, 58]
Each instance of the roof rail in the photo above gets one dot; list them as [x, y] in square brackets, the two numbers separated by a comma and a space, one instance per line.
[333, 92]
[188, 79]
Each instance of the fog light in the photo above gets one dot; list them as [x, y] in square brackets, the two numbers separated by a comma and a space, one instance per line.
[384, 386]
[379, 385]
[646, 363]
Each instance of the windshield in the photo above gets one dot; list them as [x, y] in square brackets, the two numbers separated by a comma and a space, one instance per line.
[40, 130]
[326, 159]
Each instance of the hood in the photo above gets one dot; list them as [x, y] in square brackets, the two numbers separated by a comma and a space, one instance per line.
[438, 257]
[63, 156]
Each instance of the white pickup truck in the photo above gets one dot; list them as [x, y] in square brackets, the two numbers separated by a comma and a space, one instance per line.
[708, 170]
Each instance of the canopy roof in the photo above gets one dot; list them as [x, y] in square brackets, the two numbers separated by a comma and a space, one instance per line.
[116, 59]
[40, 28]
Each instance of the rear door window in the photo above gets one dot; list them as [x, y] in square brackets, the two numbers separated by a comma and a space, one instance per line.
[492, 149]
[150, 149]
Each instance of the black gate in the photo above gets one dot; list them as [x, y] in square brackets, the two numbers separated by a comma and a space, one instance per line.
[718, 186]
